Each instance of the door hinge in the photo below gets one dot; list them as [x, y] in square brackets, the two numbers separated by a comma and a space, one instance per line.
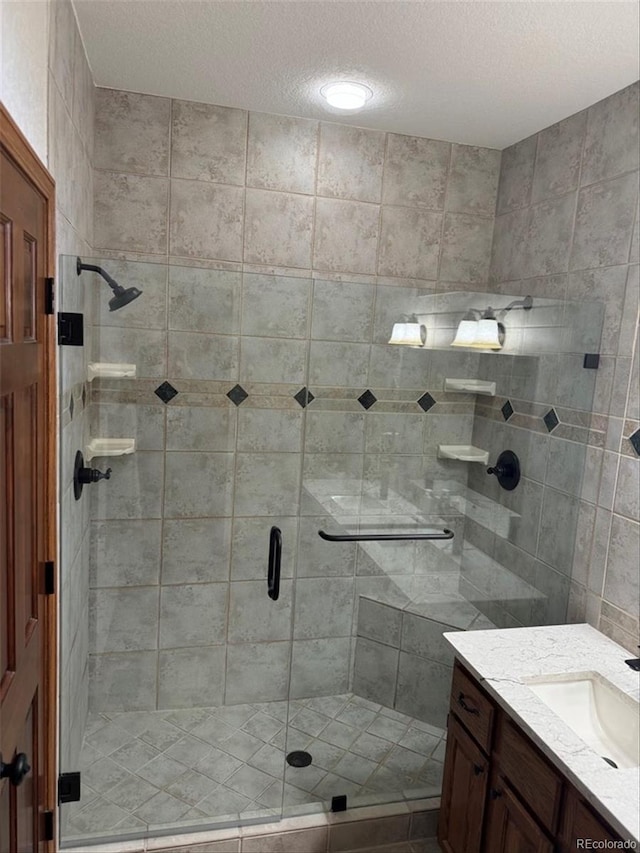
[69, 788]
[70, 329]
[49, 577]
[48, 829]
[339, 803]
[49, 295]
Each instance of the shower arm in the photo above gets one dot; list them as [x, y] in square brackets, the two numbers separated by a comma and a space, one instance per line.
[383, 537]
[113, 284]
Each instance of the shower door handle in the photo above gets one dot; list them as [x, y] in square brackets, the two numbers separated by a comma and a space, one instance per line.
[275, 559]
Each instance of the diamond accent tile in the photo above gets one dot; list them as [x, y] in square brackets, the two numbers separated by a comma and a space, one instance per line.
[367, 399]
[551, 420]
[634, 438]
[237, 395]
[303, 397]
[507, 410]
[426, 402]
[166, 392]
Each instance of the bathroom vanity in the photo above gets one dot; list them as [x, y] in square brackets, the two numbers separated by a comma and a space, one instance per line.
[517, 777]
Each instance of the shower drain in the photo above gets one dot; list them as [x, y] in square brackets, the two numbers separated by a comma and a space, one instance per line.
[298, 758]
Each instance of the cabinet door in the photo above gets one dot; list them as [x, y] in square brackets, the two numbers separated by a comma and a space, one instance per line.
[580, 823]
[510, 828]
[466, 771]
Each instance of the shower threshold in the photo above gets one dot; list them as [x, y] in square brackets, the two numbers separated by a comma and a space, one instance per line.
[150, 772]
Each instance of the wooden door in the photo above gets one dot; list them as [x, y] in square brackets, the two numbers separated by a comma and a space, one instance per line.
[27, 507]
[509, 826]
[464, 790]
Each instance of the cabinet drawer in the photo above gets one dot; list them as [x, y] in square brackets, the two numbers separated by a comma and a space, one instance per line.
[537, 783]
[472, 707]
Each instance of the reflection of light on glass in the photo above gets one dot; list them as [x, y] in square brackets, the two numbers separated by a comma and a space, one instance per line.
[408, 334]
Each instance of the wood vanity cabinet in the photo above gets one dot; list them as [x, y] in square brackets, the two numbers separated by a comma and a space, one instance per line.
[499, 793]
[466, 776]
[580, 821]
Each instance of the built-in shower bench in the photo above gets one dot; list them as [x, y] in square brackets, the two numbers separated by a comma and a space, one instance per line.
[401, 659]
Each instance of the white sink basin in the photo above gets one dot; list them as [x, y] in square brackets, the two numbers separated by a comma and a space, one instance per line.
[606, 719]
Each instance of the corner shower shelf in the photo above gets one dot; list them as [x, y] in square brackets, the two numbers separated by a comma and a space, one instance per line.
[108, 370]
[473, 386]
[109, 447]
[463, 452]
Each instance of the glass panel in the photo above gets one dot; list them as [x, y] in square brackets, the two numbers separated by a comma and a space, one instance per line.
[74, 542]
[188, 657]
[398, 440]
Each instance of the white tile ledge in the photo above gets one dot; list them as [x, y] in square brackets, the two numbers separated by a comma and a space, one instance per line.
[502, 659]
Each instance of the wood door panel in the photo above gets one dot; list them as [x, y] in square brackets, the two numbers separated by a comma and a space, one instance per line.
[7, 831]
[29, 275]
[27, 516]
[5, 273]
[27, 793]
[25, 448]
[7, 612]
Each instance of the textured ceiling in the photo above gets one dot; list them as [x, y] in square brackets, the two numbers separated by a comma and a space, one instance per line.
[482, 73]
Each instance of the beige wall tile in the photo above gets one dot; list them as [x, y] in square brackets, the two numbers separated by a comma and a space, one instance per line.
[281, 153]
[278, 229]
[206, 220]
[208, 143]
[132, 132]
[350, 162]
[346, 236]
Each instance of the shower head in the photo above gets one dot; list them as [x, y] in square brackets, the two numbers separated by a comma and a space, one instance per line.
[121, 296]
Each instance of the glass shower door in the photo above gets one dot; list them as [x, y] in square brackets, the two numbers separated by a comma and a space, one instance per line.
[183, 657]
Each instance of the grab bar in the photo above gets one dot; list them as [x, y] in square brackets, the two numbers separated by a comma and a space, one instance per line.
[275, 559]
[383, 537]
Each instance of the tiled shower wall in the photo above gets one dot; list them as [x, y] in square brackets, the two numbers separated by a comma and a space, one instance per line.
[70, 151]
[226, 198]
[567, 225]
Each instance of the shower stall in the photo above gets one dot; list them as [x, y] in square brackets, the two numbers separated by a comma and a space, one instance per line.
[297, 510]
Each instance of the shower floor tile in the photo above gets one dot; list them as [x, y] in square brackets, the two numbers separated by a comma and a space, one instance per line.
[197, 767]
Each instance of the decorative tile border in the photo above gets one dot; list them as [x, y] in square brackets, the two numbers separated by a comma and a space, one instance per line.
[175, 392]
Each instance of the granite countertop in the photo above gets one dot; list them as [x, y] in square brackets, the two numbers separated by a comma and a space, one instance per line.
[502, 659]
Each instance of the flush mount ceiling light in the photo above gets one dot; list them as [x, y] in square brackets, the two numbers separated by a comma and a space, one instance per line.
[346, 95]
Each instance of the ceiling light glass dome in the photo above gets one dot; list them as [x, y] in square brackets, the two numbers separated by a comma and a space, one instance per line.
[346, 95]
